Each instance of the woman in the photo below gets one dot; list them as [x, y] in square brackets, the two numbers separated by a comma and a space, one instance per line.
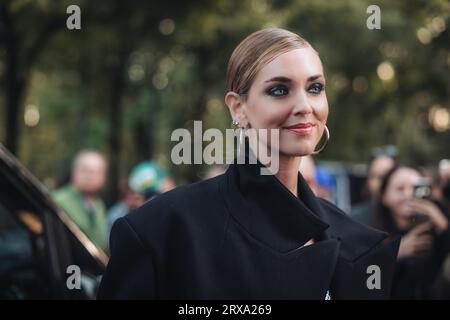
[405, 208]
[247, 235]
[379, 165]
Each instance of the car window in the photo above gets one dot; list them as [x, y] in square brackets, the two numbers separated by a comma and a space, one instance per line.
[39, 244]
[21, 276]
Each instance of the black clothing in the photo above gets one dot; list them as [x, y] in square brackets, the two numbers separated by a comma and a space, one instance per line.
[241, 235]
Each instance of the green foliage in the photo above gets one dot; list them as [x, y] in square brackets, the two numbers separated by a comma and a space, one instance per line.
[175, 55]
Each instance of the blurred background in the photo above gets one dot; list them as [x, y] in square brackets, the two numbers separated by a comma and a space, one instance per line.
[137, 70]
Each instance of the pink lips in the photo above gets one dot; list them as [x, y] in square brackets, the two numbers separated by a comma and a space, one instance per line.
[301, 128]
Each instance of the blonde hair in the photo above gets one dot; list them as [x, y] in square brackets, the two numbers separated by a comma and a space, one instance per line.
[256, 51]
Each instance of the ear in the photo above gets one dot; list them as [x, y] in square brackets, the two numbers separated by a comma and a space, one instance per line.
[236, 105]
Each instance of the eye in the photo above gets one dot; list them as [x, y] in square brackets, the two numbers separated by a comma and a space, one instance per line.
[316, 88]
[278, 91]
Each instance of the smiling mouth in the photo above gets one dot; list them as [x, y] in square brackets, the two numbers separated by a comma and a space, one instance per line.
[301, 128]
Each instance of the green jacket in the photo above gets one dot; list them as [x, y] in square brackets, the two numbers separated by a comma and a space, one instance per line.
[93, 224]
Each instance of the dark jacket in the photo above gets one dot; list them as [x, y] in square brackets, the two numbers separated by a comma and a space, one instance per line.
[240, 236]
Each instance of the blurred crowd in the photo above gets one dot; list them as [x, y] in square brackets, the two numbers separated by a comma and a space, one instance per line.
[400, 199]
[411, 203]
[81, 196]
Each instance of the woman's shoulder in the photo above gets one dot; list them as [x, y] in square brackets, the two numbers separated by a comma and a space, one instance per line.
[188, 194]
[343, 220]
[191, 204]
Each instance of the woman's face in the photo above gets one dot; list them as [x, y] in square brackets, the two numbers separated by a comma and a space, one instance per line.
[399, 191]
[289, 94]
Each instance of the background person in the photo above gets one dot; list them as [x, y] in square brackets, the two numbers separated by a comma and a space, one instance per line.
[146, 181]
[379, 165]
[403, 209]
[80, 198]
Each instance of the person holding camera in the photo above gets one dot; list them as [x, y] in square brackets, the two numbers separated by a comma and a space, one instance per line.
[404, 207]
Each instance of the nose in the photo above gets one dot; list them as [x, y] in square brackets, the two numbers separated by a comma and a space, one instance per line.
[301, 104]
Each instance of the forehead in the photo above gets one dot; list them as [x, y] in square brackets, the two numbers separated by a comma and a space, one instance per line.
[406, 176]
[296, 64]
[89, 161]
[381, 164]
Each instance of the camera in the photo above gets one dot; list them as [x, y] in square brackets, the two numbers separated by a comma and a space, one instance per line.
[417, 218]
[422, 190]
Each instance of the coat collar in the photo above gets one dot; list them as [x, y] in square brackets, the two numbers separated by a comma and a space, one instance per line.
[267, 210]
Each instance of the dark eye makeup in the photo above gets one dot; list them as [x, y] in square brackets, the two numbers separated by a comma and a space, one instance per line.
[316, 88]
[281, 90]
[278, 90]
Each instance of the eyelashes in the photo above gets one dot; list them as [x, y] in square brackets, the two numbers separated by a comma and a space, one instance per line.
[316, 88]
[283, 90]
[278, 91]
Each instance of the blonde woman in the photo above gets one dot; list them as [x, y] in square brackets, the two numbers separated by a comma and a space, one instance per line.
[247, 235]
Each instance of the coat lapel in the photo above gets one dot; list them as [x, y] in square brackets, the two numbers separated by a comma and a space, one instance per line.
[271, 214]
[278, 225]
[267, 210]
[365, 265]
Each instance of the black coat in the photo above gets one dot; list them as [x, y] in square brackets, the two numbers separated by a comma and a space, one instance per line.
[240, 236]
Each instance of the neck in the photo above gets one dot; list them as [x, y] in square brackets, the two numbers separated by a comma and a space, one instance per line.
[288, 172]
[287, 169]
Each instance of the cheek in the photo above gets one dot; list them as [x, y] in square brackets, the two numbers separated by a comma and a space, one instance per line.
[386, 201]
[320, 109]
[266, 113]
[80, 177]
[99, 178]
[372, 184]
[394, 201]
[389, 199]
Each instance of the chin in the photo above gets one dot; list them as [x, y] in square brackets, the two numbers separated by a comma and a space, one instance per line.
[297, 151]
[298, 146]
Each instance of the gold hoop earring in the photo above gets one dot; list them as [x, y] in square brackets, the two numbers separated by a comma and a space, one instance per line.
[327, 136]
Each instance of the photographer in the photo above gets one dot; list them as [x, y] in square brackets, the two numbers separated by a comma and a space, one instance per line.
[404, 207]
[380, 163]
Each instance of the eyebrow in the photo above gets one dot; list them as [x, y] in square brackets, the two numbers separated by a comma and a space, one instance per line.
[286, 79]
